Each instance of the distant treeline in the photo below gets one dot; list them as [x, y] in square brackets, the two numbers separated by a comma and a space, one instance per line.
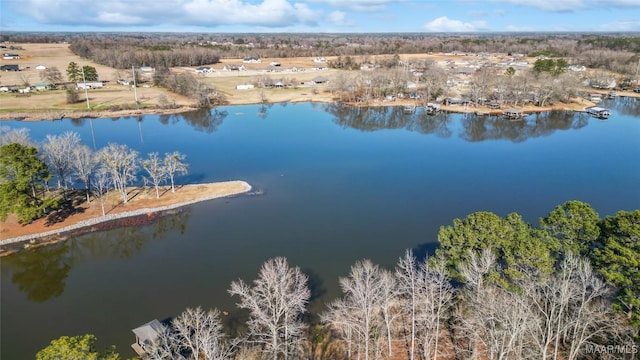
[122, 53]
[617, 52]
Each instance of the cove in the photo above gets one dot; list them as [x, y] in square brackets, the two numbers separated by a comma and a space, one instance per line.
[340, 184]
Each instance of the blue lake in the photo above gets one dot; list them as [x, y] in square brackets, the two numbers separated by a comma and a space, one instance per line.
[340, 184]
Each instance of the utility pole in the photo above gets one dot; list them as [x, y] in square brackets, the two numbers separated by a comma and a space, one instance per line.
[86, 92]
[135, 87]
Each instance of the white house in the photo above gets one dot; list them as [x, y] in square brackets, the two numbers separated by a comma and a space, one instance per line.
[252, 60]
[234, 68]
[89, 85]
[204, 69]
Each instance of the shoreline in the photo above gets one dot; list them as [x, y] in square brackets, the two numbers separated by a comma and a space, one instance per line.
[578, 105]
[59, 234]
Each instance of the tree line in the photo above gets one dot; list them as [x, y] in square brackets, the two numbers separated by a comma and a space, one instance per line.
[615, 52]
[27, 168]
[122, 53]
[496, 288]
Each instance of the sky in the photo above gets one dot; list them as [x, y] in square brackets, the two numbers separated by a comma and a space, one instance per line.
[321, 16]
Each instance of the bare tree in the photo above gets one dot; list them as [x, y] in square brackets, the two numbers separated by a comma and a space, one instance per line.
[122, 163]
[101, 183]
[432, 81]
[360, 307]
[20, 136]
[389, 306]
[434, 300]
[84, 162]
[58, 154]
[407, 274]
[340, 319]
[200, 334]
[162, 346]
[571, 307]
[174, 164]
[156, 170]
[51, 75]
[276, 302]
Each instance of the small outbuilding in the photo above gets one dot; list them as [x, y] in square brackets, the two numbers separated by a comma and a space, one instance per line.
[145, 335]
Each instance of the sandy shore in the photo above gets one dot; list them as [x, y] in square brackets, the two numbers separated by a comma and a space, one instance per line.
[143, 202]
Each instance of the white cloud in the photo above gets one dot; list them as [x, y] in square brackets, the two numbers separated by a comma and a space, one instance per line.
[211, 13]
[617, 3]
[340, 18]
[573, 5]
[549, 5]
[358, 5]
[621, 25]
[444, 24]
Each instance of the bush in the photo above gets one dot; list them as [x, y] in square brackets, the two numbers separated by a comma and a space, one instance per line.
[72, 96]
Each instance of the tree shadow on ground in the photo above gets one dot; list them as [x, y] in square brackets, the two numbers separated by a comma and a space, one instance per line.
[67, 207]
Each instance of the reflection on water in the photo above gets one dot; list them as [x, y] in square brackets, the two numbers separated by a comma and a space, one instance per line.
[482, 128]
[41, 272]
[368, 118]
[473, 128]
[624, 105]
[204, 119]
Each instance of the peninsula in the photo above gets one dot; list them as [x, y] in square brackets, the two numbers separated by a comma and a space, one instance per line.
[143, 202]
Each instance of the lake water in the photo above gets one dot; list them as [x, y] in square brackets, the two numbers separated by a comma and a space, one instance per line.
[340, 184]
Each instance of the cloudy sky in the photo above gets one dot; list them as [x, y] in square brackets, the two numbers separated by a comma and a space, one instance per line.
[364, 16]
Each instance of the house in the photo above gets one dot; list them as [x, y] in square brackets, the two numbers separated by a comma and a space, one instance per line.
[89, 85]
[11, 67]
[145, 335]
[244, 87]
[204, 69]
[42, 86]
[252, 60]
[9, 56]
[231, 67]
